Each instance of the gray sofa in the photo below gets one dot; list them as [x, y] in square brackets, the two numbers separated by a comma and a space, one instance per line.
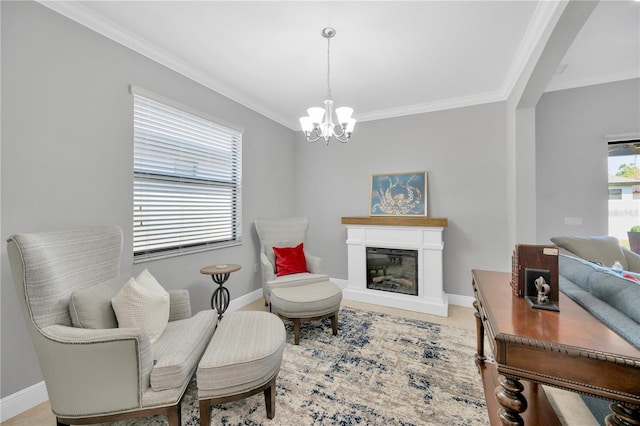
[612, 299]
[585, 276]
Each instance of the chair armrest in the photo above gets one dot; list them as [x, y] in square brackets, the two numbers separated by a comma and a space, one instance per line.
[314, 263]
[94, 371]
[179, 305]
[268, 273]
[633, 260]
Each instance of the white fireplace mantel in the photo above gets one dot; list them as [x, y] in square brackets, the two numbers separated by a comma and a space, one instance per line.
[411, 233]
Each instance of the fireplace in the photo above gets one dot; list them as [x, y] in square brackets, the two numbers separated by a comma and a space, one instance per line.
[393, 270]
[383, 240]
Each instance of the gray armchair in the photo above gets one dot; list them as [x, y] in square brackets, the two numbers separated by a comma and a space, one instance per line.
[285, 232]
[96, 374]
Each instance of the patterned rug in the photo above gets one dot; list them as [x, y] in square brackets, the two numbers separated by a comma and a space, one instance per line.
[378, 370]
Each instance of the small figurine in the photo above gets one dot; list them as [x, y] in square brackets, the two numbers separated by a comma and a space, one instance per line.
[543, 290]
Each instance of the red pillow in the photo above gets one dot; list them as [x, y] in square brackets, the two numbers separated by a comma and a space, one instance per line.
[290, 260]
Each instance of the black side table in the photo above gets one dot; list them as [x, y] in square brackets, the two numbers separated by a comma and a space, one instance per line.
[220, 275]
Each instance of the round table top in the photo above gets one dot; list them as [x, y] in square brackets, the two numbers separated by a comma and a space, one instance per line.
[220, 269]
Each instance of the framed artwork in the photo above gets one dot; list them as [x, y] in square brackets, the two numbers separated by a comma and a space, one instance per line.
[399, 194]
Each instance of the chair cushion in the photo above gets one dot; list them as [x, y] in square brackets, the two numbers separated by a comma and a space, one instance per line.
[177, 351]
[143, 303]
[295, 280]
[244, 353]
[90, 307]
[601, 249]
[290, 260]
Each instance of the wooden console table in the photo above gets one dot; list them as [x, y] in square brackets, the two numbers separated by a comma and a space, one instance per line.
[569, 349]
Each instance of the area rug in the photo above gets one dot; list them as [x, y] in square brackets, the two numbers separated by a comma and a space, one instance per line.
[379, 370]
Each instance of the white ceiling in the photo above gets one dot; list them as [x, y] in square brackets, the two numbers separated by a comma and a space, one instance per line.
[388, 58]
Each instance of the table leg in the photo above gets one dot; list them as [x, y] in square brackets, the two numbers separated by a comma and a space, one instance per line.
[220, 297]
[509, 395]
[623, 415]
[480, 358]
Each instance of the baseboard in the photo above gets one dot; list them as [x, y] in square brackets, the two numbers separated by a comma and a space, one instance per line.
[23, 400]
[458, 300]
[241, 301]
[27, 398]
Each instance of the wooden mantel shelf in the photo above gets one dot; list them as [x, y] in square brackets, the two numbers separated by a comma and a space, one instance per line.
[437, 222]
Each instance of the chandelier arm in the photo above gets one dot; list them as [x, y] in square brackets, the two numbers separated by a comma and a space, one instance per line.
[344, 137]
[316, 132]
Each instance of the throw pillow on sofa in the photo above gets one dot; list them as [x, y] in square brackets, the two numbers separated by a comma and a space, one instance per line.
[601, 249]
[142, 303]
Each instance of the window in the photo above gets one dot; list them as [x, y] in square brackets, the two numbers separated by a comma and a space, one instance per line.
[187, 171]
[624, 184]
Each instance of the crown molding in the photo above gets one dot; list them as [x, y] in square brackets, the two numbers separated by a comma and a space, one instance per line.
[545, 15]
[460, 102]
[96, 22]
[592, 80]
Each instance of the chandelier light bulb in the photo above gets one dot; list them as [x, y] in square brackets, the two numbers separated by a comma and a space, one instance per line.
[316, 114]
[320, 121]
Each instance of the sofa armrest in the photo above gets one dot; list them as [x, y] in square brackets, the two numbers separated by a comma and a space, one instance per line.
[314, 263]
[94, 371]
[633, 260]
[179, 305]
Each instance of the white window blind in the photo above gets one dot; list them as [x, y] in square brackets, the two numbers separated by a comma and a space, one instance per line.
[187, 180]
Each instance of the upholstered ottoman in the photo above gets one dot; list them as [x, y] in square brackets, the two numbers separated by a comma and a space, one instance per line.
[305, 303]
[242, 359]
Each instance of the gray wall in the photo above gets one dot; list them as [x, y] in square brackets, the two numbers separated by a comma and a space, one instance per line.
[463, 150]
[571, 154]
[67, 150]
[66, 162]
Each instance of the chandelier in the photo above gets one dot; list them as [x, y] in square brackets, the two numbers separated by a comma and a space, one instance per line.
[319, 123]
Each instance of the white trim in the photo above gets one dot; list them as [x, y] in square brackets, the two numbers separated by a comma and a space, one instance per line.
[340, 282]
[23, 400]
[98, 23]
[241, 301]
[463, 101]
[622, 136]
[591, 81]
[459, 300]
[542, 18]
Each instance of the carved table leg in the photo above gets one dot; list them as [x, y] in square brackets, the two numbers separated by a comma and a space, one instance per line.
[509, 395]
[480, 358]
[623, 415]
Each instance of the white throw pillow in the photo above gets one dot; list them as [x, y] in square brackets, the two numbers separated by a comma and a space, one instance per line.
[142, 303]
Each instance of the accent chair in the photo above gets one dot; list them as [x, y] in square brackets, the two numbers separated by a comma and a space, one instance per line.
[284, 232]
[94, 371]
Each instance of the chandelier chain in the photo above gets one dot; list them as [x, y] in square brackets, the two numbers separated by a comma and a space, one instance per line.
[329, 68]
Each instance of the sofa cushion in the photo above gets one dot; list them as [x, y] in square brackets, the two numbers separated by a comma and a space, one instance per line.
[143, 305]
[177, 352]
[604, 284]
[90, 307]
[602, 249]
